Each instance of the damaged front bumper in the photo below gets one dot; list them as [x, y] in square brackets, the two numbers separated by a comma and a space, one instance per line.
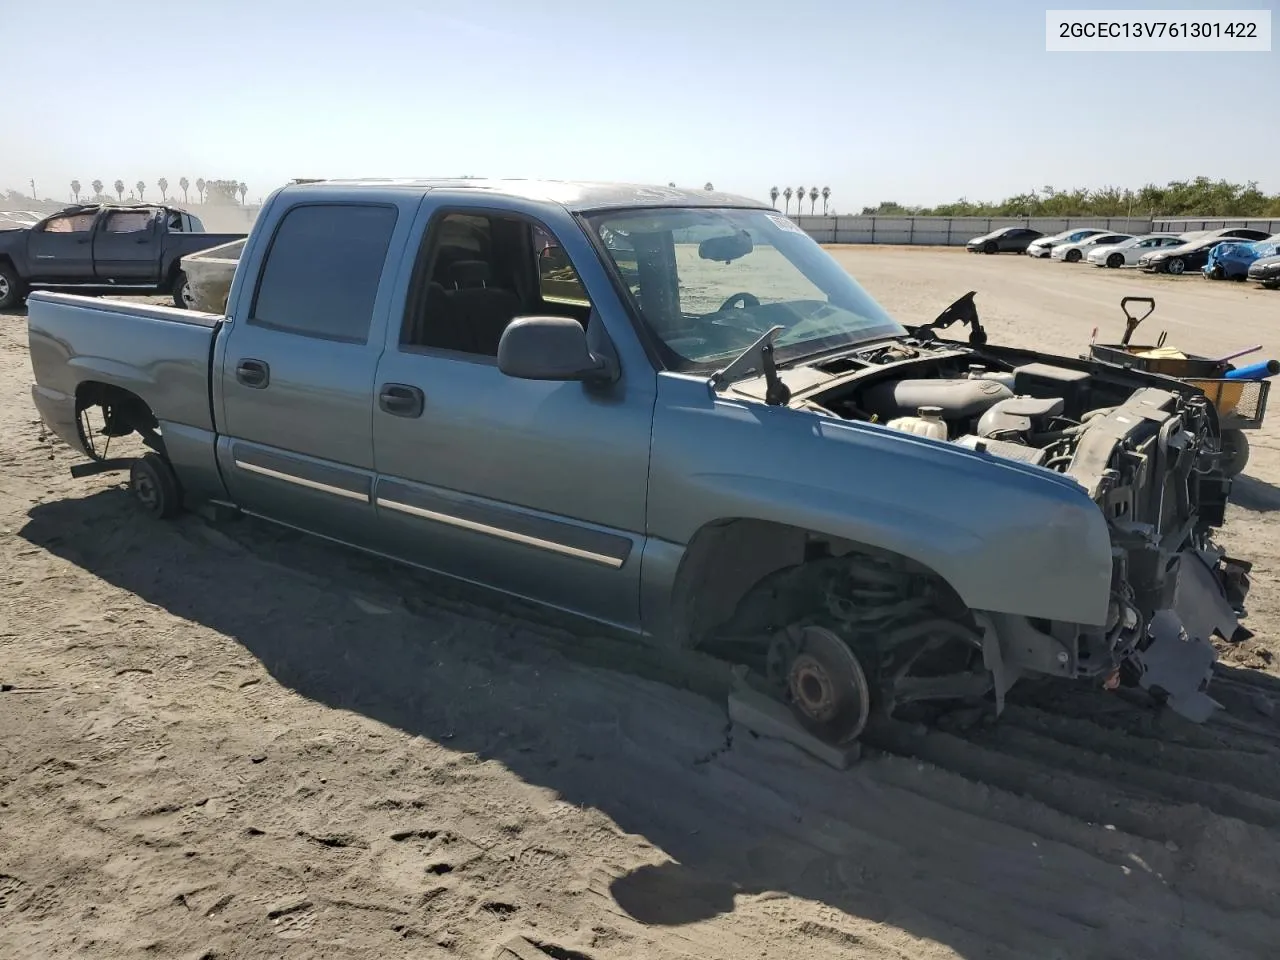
[1174, 656]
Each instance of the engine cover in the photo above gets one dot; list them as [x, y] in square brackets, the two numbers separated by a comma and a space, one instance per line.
[958, 399]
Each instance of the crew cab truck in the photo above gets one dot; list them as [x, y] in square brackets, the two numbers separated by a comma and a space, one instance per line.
[134, 247]
[673, 413]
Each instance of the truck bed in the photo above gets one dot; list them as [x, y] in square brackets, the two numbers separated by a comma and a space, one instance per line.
[159, 354]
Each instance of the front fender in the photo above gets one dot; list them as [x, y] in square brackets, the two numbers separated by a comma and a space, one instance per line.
[1008, 537]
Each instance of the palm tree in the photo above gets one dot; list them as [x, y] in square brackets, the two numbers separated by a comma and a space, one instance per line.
[826, 195]
[97, 188]
[813, 199]
[163, 184]
[141, 190]
[671, 184]
[787, 196]
[75, 190]
[799, 201]
[184, 183]
[244, 188]
[707, 186]
[200, 185]
[119, 185]
[773, 196]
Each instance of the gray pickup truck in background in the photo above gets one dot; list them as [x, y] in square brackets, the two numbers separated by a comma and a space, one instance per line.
[136, 246]
[673, 413]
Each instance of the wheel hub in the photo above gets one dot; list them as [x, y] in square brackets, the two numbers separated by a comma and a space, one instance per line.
[4, 287]
[827, 687]
[145, 490]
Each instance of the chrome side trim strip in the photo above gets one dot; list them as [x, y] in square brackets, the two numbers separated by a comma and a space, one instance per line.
[302, 481]
[452, 521]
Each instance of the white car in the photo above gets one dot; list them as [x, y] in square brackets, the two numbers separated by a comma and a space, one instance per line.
[1075, 252]
[1126, 254]
[1044, 246]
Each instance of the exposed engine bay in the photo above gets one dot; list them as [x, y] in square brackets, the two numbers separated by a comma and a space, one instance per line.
[1145, 448]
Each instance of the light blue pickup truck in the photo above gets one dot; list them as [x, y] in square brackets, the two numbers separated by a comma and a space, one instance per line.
[673, 413]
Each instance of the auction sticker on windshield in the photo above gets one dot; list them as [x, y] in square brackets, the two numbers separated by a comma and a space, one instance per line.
[1157, 31]
[784, 222]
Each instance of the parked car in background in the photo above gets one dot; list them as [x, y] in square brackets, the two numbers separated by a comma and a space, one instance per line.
[1075, 252]
[1043, 246]
[1126, 253]
[1188, 256]
[17, 219]
[1004, 240]
[1230, 260]
[117, 246]
[1266, 272]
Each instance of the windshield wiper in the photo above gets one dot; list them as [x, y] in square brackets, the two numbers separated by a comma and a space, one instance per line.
[756, 359]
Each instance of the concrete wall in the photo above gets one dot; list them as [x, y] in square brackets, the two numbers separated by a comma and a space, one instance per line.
[948, 231]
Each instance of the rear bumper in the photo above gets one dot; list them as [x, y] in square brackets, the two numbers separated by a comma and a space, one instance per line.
[58, 411]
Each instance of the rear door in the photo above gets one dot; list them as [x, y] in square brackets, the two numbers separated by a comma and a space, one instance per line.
[126, 246]
[295, 372]
[60, 250]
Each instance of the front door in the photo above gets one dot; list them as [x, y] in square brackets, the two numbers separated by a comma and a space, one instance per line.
[296, 370]
[126, 247]
[537, 488]
[60, 250]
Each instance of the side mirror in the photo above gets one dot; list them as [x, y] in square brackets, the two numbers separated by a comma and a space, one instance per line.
[549, 348]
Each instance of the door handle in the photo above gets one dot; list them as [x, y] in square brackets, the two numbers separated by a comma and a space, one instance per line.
[401, 400]
[253, 373]
[143, 240]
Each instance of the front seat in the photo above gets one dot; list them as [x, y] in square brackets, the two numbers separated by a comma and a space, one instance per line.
[483, 309]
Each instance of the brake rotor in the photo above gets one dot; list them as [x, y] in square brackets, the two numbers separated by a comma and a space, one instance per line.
[827, 687]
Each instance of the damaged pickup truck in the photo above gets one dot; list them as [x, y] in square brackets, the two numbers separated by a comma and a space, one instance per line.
[673, 413]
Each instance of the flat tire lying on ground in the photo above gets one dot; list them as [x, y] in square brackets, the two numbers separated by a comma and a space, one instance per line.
[155, 486]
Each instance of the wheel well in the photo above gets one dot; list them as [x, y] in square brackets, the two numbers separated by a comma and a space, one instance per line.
[7, 261]
[725, 559]
[124, 412]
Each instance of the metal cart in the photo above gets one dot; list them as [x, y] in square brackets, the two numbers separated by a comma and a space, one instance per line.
[1241, 404]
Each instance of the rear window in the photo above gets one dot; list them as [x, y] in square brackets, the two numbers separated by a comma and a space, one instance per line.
[321, 275]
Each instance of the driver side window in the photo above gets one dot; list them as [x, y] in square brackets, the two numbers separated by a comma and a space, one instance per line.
[478, 271]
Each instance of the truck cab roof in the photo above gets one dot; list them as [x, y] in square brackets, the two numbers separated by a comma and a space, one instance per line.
[577, 196]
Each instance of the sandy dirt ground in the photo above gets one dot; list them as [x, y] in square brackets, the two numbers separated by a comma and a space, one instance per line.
[231, 741]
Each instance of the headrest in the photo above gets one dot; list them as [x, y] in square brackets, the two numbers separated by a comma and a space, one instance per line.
[470, 273]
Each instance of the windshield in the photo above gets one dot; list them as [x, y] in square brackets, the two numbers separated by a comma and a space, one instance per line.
[709, 282]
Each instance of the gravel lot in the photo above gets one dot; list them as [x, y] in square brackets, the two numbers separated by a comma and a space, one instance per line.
[236, 742]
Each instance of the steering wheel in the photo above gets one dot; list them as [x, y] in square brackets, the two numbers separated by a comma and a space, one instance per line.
[744, 298]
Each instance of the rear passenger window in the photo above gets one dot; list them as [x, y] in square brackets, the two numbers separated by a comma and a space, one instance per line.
[321, 275]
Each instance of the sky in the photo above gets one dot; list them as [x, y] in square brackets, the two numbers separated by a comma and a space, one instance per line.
[918, 102]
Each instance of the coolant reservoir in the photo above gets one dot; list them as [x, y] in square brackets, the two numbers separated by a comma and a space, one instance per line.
[926, 423]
